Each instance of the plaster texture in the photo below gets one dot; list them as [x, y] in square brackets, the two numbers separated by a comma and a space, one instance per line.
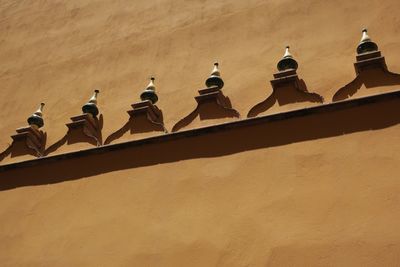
[319, 190]
[303, 192]
[324, 202]
[58, 52]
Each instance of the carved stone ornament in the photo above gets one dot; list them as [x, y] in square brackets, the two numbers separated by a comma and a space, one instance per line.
[28, 140]
[211, 102]
[84, 128]
[368, 55]
[88, 125]
[371, 70]
[287, 88]
[143, 117]
[32, 137]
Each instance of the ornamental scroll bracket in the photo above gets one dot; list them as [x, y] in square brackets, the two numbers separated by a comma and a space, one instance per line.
[144, 117]
[287, 88]
[371, 70]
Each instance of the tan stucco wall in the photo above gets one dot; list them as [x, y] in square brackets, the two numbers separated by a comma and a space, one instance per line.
[320, 190]
[330, 201]
[324, 202]
[58, 52]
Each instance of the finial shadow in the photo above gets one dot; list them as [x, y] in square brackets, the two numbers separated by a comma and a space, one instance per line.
[143, 119]
[371, 70]
[332, 120]
[284, 96]
[214, 106]
[83, 129]
[24, 145]
[287, 88]
[370, 78]
[211, 102]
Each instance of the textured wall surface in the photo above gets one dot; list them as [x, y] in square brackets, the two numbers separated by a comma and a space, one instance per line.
[323, 202]
[331, 201]
[58, 52]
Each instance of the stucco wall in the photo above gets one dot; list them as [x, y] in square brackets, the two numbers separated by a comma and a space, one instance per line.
[331, 202]
[320, 190]
[322, 199]
[58, 52]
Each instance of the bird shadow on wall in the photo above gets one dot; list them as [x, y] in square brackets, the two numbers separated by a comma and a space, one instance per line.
[370, 78]
[80, 132]
[213, 108]
[284, 95]
[211, 144]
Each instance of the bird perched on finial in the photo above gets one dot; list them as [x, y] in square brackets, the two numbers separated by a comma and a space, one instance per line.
[91, 106]
[366, 44]
[36, 119]
[149, 92]
[287, 62]
[215, 78]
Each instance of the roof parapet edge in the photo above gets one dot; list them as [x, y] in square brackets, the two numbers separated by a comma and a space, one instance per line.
[323, 108]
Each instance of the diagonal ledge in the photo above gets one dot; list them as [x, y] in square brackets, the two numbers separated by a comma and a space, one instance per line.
[323, 108]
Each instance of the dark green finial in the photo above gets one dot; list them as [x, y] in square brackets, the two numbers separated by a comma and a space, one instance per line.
[215, 78]
[150, 92]
[366, 44]
[36, 119]
[91, 106]
[287, 62]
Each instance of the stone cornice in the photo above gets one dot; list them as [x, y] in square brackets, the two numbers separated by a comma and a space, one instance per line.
[323, 108]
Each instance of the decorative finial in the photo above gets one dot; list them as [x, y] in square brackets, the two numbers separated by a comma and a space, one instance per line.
[150, 92]
[36, 119]
[91, 106]
[215, 78]
[366, 44]
[287, 53]
[287, 62]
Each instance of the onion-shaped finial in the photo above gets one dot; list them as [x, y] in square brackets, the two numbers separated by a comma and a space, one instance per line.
[36, 119]
[150, 92]
[91, 106]
[366, 44]
[215, 78]
[287, 62]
